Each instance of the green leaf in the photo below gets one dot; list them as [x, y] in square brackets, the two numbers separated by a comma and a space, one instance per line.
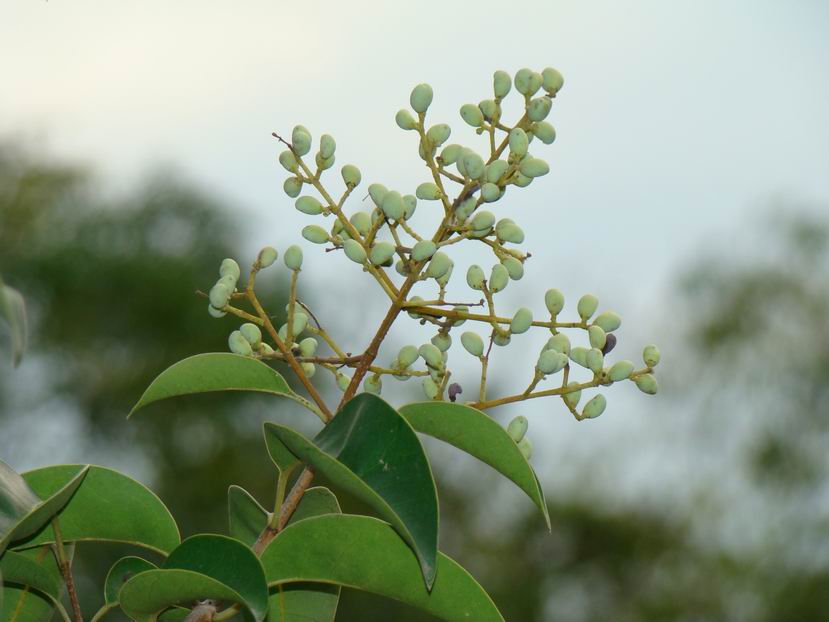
[22, 512]
[246, 518]
[13, 310]
[227, 561]
[122, 571]
[316, 501]
[367, 554]
[24, 570]
[33, 585]
[280, 455]
[217, 371]
[107, 506]
[372, 453]
[478, 435]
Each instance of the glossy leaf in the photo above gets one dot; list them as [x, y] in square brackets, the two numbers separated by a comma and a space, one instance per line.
[367, 554]
[280, 455]
[13, 311]
[227, 561]
[217, 371]
[122, 571]
[372, 453]
[107, 506]
[22, 512]
[480, 436]
[33, 586]
[22, 569]
[246, 518]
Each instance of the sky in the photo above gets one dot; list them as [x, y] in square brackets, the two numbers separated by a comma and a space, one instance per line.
[678, 122]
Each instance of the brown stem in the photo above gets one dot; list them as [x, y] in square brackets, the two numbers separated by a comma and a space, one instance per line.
[288, 507]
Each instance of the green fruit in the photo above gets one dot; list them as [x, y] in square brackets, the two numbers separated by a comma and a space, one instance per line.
[514, 267]
[595, 360]
[490, 192]
[522, 81]
[501, 83]
[309, 369]
[309, 205]
[442, 341]
[432, 355]
[392, 205]
[251, 333]
[354, 251]
[450, 154]
[650, 355]
[533, 167]
[421, 97]
[381, 253]
[415, 300]
[324, 164]
[292, 187]
[522, 181]
[463, 211]
[377, 192]
[518, 142]
[230, 268]
[293, 257]
[489, 109]
[559, 343]
[579, 355]
[409, 205]
[620, 371]
[498, 278]
[300, 323]
[351, 175]
[401, 268]
[495, 170]
[423, 250]
[439, 265]
[361, 222]
[473, 164]
[301, 140]
[475, 277]
[472, 115]
[327, 146]
[594, 407]
[551, 362]
[265, 349]
[238, 344]
[219, 295]
[343, 381]
[430, 388]
[288, 161]
[609, 321]
[407, 356]
[502, 339]
[508, 231]
[472, 343]
[597, 336]
[428, 191]
[526, 448]
[461, 309]
[573, 397]
[315, 234]
[521, 321]
[438, 134]
[214, 312]
[539, 108]
[587, 306]
[405, 120]
[308, 347]
[373, 384]
[517, 428]
[443, 280]
[483, 221]
[554, 300]
[545, 132]
[647, 384]
[552, 80]
[536, 81]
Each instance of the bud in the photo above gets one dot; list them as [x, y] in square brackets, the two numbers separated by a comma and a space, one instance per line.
[595, 360]
[265, 349]
[526, 448]
[442, 341]
[517, 428]
[409, 206]
[650, 355]
[463, 210]
[438, 134]
[381, 253]
[579, 355]
[475, 277]
[573, 397]
[315, 234]
[377, 192]
[594, 407]
[587, 306]
[539, 108]
[597, 336]
[488, 108]
[407, 356]
[354, 251]
[439, 265]
[423, 250]
[490, 192]
[308, 347]
[502, 339]
[609, 321]
[551, 362]
[309, 205]
[534, 167]
[392, 205]
[327, 146]
[292, 186]
[514, 267]
[432, 355]
[461, 309]
[428, 191]
[472, 115]
[502, 83]
[521, 321]
[373, 384]
[219, 295]
[647, 384]
[508, 231]
[473, 165]
[351, 175]
[214, 312]
[523, 79]
[301, 140]
[251, 333]
[451, 153]
[620, 371]
[559, 343]
[288, 161]
[230, 268]
[430, 388]
[415, 300]
[324, 163]
[405, 120]
[552, 80]
[498, 278]
[293, 257]
[495, 170]
[522, 181]
[238, 344]
[518, 142]
[309, 369]
[421, 97]
[361, 222]
[472, 343]
[554, 300]
[300, 323]
[482, 221]
[545, 132]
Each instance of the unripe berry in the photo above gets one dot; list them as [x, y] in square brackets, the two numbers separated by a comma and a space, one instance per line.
[475, 277]
[301, 140]
[373, 384]
[651, 356]
[361, 222]
[595, 360]
[409, 205]
[251, 333]
[473, 164]
[489, 109]
[381, 253]
[461, 309]
[498, 278]
[597, 336]
[526, 448]
[523, 79]
[405, 120]
[343, 381]
[522, 181]
[472, 115]
[351, 175]
[501, 83]
[415, 300]
[495, 170]
[620, 371]
[587, 306]
[324, 163]
[521, 321]
[472, 343]
[438, 134]
[219, 295]
[293, 257]
[267, 256]
[439, 265]
[377, 192]
[300, 323]
[483, 221]
[308, 347]
[315, 234]
[554, 300]
[514, 267]
[430, 388]
[442, 341]
[609, 321]
[265, 349]
[552, 80]
[292, 186]
[288, 161]
[309, 369]
[392, 205]
[230, 268]
[421, 97]
[490, 192]
[594, 407]
[539, 108]
[354, 251]
[517, 428]
[579, 355]
[423, 250]
[432, 355]
[545, 132]
[573, 397]
[428, 191]
[559, 343]
[518, 142]
[309, 205]
[327, 146]
[238, 344]
[407, 356]
[214, 312]
[508, 231]
[451, 153]
[551, 362]
[647, 384]
[533, 167]
[502, 339]
[463, 210]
